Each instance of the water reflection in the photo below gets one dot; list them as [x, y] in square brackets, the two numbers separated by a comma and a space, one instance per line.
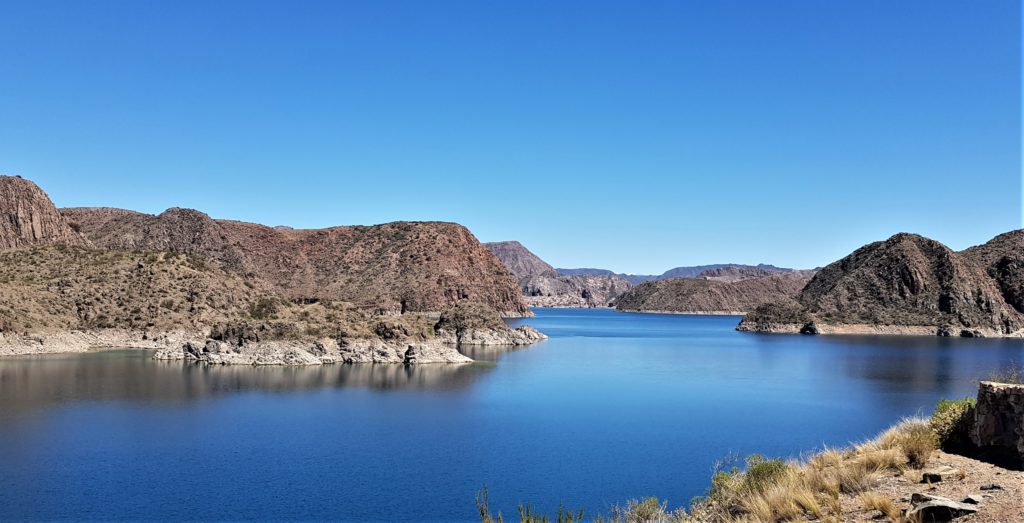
[32, 382]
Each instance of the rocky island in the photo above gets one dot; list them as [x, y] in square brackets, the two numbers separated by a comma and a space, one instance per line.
[220, 291]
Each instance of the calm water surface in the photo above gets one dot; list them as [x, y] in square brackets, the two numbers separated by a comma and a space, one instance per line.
[614, 406]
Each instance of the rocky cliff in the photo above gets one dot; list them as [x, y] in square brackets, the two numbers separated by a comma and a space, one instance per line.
[709, 296]
[907, 284]
[28, 217]
[1002, 258]
[573, 291]
[519, 260]
[395, 267]
[543, 286]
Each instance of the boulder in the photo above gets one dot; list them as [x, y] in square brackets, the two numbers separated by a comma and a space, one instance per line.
[940, 474]
[999, 420]
[938, 509]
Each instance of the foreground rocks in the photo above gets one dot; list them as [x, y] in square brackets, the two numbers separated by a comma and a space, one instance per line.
[999, 419]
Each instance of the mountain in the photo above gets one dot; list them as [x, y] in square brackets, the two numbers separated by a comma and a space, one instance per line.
[28, 217]
[906, 284]
[734, 273]
[709, 296]
[678, 272]
[573, 291]
[519, 260]
[543, 286]
[586, 272]
[1002, 258]
[223, 292]
[396, 267]
[697, 270]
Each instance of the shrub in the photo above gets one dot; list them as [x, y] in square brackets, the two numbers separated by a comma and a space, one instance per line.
[952, 422]
[264, 308]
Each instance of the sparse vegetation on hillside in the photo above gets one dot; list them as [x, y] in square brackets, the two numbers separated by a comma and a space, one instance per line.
[703, 295]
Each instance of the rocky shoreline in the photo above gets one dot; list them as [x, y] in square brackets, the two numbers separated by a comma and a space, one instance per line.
[197, 347]
[687, 313]
[871, 329]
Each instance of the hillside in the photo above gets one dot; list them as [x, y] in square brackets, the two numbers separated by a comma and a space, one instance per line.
[58, 287]
[396, 267]
[707, 296]
[28, 217]
[519, 260]
[906, 284]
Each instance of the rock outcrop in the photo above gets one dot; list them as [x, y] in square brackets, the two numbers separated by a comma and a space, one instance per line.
[395, 267]
[1002, 258]
[999, 419]
[573, 291]
[708, 296]
[28, 217]
[907, 284]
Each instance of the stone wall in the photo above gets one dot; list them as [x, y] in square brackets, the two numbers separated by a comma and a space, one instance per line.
[999, 422]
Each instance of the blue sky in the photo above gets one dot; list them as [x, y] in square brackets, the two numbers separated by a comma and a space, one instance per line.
[635, 136]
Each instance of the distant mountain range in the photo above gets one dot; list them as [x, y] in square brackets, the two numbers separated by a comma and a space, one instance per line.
[702, 288]
[679, 272]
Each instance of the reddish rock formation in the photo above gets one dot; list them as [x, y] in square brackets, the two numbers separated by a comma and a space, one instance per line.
[400, 266]
[520, 260]
[28, 217]
[907, 281]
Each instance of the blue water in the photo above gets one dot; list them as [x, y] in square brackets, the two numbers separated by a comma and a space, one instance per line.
[614, 406]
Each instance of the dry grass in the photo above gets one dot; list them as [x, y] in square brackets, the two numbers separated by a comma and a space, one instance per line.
[882, 503]
[768, 491]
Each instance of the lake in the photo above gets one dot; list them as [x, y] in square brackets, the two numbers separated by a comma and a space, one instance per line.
[614, 406]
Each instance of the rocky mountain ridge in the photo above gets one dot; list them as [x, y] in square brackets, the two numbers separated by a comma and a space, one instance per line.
[694, 271]
[221, 291]
[519, 260]
[395, 267]
[908, 284]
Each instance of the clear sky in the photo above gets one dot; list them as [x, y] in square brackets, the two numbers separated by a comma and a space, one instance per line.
[634, 136]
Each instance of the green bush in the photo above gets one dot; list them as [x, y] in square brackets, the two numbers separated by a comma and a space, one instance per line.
[952, 422]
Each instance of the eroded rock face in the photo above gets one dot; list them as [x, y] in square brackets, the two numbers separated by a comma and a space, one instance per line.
[999, 418]
[28, 217]
[573, 291]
